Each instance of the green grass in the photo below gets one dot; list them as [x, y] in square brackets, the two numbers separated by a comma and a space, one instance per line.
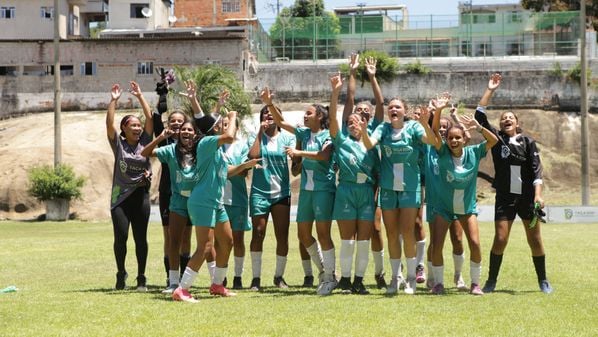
[65, 274]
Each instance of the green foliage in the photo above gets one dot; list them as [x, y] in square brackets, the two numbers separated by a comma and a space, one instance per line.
[211, 80]
[387, 67]
[294, 29]
[557, 70]
[416, 68]
[574, 74]
[461, 108]
[48, 182]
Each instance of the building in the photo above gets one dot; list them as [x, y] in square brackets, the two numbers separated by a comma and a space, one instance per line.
[213, 13]
[138, 14]
[28, 19]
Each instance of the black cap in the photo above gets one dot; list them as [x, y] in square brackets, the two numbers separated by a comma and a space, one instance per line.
[206, 123]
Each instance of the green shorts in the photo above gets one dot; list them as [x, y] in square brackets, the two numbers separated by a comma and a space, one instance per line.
[178, 205]
[354, 202]
[260, 205]
[315, 205]
[239, 218]
[207, 216]
[447, 215]
[389, 199]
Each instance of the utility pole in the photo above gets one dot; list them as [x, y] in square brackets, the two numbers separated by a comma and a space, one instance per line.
[314, 57]
[57, 91]
[585, 139]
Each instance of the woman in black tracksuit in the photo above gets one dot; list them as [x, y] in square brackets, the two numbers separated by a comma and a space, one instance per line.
[518, 184]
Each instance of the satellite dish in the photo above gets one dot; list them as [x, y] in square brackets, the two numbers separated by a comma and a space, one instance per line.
[172, 19]
[146, 11]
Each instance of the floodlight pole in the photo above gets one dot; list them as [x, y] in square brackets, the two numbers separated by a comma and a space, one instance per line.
[585, 140]
[57, 92]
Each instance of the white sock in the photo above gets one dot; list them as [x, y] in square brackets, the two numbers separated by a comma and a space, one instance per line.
[438, 272]
[188, 278]
[395, 267]
[378, 261]
[475, 270]
[173, 277]
[431, 274]
[239, 265]
[256, 264]
[307, 270]
[219, 274]
[211, 267]
[361, 257]
[329, 261]
[458, 261]
[420, 250]
[281, 264]
[411, 265]
[346, 259]
[316, 256]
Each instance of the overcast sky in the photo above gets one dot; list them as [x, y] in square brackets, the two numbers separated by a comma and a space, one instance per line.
[267, 8]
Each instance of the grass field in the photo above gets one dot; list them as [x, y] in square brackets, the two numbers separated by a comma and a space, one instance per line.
[65, 275]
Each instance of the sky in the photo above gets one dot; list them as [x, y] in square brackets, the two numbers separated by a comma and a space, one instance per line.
[415, 7]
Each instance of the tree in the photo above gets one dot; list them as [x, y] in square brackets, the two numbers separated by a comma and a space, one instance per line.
[302, 25]
[564, 5]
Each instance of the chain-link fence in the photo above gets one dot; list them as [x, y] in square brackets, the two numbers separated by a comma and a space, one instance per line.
[468, 34]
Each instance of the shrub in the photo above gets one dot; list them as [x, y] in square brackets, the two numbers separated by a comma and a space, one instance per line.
[387, 67]
[416, 68]
[574, 74]
[60, 182]
[557, 70]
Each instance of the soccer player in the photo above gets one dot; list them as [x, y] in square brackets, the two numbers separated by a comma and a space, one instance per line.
[129, 204]
[518, 184]
[316, 196]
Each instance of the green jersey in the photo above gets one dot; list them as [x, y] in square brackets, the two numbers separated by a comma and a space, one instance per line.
[356, 164]
[271, 180]
[316, 175]
[235, 190]
[212, 171]
[401, 150]
[182, 177]
[458, 179]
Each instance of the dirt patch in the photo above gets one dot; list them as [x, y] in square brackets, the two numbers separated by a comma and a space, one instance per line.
[27, 141]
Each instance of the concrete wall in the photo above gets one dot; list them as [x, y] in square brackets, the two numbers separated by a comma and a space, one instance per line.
[28, 23]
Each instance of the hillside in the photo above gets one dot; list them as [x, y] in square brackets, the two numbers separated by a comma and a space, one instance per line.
[28, 140]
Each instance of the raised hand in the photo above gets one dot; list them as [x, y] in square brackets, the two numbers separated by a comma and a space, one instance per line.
[469, 122]
[166, 133]
[370, 66]
[354, 62]
[424, 114]
[442, 100]
[134, 89]
[190, 88]
[115, 92]
[224, 95]
[266, 96]
[336, 82]
[494, 81]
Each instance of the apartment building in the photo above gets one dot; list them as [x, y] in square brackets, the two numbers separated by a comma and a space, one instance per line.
[211, 13]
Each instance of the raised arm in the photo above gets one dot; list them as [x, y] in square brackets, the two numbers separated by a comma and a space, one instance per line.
[135, 90]
[429, 136]
[471, 123]
[191, 94]
[480, 115]
[350, 102]
[150, 149]
[369, 142]
[224, 95]
[266, 97]
[337, 83]
[115, 93]
[370, 66]
[229, 134]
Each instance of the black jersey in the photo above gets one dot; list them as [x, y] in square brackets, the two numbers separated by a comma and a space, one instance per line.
[516, 160]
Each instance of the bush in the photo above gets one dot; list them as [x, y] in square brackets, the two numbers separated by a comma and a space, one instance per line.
[574, 74]
[416, 68]
[387, 67]
[557, 70]
[48, 182]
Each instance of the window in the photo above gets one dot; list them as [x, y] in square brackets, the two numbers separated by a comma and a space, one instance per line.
[145, 68]
[88, 68]
[47, 13]
[7, 12]
[516, 17]
[231, 6]
[8, 71]
[136, 11]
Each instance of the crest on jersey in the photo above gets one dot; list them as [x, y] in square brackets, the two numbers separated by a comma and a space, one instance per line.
[504, 151]
[123, 166]
[449, 177]
[353, 160]
[387, 150]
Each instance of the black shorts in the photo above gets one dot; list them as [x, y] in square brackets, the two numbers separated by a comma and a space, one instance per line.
[507, 205]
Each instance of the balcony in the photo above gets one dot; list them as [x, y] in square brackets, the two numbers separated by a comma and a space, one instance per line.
[77, 2]
[93, 6]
